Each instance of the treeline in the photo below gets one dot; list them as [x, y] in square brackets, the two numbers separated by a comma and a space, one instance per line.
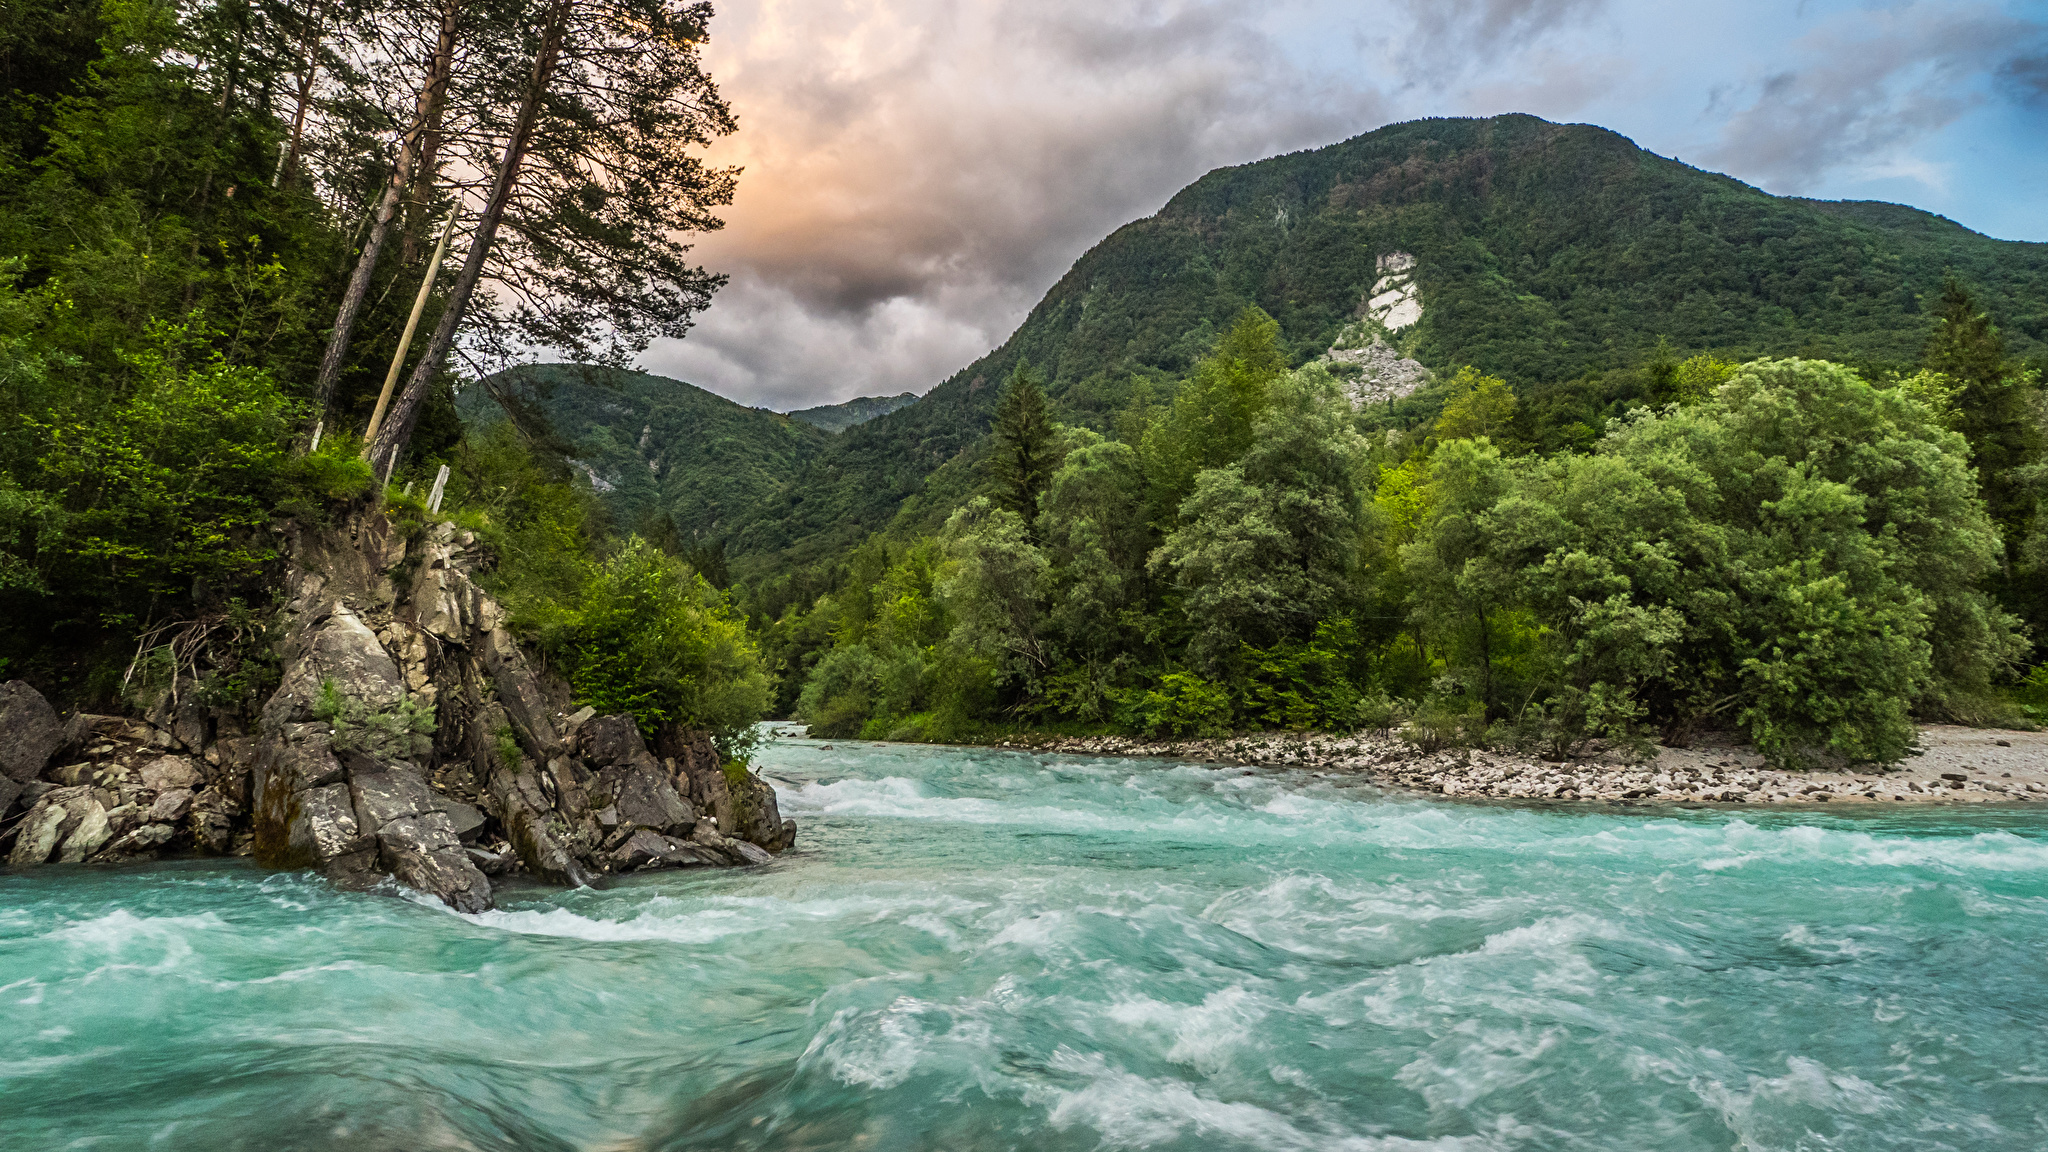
[233, 229]
[1782, 547]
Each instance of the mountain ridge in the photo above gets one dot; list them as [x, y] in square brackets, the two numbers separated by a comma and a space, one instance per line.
[1633, 247]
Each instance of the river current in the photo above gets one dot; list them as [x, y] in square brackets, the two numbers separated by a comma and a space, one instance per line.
[982, 949]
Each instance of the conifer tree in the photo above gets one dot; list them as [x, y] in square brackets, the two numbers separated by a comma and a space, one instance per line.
[1023, 449]
[1992, 404]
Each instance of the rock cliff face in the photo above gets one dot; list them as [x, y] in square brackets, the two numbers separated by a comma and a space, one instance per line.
[410, 737]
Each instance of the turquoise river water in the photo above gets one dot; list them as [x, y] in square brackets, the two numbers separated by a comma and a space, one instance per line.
[982, 949]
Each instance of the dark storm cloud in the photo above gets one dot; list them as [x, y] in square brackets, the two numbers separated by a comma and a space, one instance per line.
[932, 168]
[1869, 83]
[2026, 77]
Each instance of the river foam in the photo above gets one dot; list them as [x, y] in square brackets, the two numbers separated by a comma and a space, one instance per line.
[982, 949]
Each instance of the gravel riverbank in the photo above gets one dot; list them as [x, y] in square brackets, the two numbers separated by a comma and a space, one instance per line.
[1952, 766]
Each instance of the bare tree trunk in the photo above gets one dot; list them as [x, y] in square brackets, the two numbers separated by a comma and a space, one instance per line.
[428, 108]
[397, 430]
[309, 69]
[422, 182]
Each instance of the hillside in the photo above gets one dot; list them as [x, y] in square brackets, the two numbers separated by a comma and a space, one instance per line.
[651, 444]
[1544, 253]
[860, 410]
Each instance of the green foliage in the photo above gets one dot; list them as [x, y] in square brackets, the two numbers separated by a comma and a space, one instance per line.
[1182, 705]
[174, 482]
[1023, 451]
[1304, 685]
[405, 729]
[667, 453]
[1212, 419]
[1479, 406]
[650, 638]
[1800, 554]
[1551, 256]
[1269, 543]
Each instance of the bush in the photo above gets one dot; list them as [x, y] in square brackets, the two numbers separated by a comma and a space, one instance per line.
[652, 639]
[1182, 705]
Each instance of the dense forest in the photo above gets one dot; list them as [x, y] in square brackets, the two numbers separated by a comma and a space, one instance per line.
[251, 254]
[1787, 548]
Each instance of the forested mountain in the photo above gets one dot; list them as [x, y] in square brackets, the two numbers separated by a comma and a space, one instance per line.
[1561, 258]
[663, 455]
[860, 410]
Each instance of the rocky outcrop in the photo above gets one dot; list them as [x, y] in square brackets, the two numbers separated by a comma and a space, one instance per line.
[110, 788]
[410, 737]
[413, 737]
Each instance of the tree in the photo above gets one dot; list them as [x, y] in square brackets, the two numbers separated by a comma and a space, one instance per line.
[992, 589]
[653, 639]
[1992, 406]
[426, 116]
[594, 193]
[1479, 405]
[1269, 545]
[1801, 553]
[1212, 417]
[1094, 529]
[1023, 446]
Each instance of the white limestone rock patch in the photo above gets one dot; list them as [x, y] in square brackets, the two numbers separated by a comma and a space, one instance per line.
[1374, 370]
[1394, 304]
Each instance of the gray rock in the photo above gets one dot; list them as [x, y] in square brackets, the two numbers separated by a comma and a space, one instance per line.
[416, 841]
[73, 775]
[90, 836]
[642, 847]
[30, 732]
[146, 840]
[56, 814]
[491, 863]
[213, 823]
[171, 806]
[750, 853]
[692, 856]
[169, 772]
[10, 791]
[609, 740]
[324, 830]
[643, 794]
[466, 819]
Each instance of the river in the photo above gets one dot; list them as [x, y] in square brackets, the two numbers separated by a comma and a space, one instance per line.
[982, 949]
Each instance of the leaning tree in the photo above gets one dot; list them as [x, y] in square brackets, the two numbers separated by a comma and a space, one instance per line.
[582, 241]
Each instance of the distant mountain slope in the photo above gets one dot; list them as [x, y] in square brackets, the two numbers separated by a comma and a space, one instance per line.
[1543, 251]
[840, 417]
[654, 444]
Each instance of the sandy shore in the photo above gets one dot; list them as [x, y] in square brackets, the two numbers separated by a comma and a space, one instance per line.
[1953, 766]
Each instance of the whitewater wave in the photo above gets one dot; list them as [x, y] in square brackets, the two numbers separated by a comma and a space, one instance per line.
[1227, 807]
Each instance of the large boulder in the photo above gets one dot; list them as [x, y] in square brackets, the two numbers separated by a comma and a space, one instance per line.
[30, 733]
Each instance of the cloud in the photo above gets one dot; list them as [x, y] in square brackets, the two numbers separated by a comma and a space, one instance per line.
[1868, 85]
[1474, 31]
[918, 173]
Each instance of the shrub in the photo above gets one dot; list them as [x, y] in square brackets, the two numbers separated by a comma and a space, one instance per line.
[1183, 704]
[652, 639]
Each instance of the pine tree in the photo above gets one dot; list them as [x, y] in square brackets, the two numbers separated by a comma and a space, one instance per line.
[1023, 449]
[1992, 401]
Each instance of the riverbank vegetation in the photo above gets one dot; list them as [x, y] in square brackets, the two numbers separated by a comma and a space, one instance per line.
[1784, 547]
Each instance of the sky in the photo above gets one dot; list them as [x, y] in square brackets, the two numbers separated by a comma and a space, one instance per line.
[917, 173]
